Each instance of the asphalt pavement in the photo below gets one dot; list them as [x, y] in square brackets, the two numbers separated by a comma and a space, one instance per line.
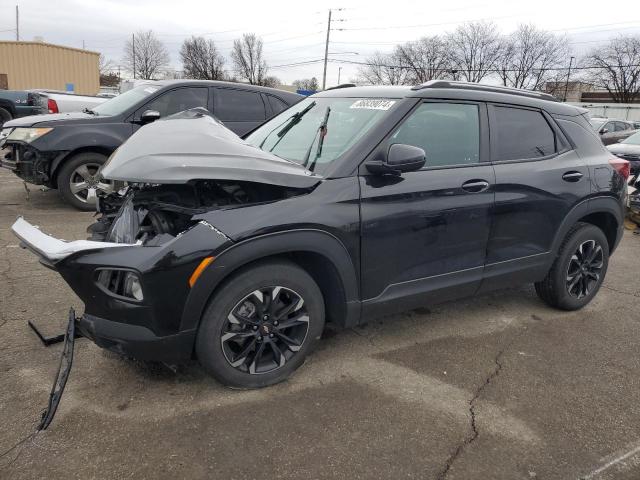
[493, 387]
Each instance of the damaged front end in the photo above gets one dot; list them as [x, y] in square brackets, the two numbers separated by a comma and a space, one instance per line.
[135, 272]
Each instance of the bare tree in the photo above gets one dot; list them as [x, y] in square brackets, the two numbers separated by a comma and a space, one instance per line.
[306, 84]
[426, 59]
[382, 69]
[149, 56]
[475, 49]
[616, 68]
[271, 81]
[201, 59]
[105, 65]
[248, 60]
[529, 57]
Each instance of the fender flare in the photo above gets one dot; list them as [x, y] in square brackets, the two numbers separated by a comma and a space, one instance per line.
[60, 159]
[242, 253]
[587, 207]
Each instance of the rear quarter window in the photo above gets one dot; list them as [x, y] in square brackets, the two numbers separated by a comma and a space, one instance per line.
[232, 105]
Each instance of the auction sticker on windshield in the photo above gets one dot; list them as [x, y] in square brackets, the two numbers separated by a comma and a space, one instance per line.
[373, 104]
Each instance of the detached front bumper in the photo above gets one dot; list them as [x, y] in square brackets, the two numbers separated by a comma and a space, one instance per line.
[150, 328]
[137, 341]
[51, 249]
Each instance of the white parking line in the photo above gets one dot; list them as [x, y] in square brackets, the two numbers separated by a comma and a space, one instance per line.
[610, 464]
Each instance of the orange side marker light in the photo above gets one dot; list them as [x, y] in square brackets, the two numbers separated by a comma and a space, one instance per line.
[199, 269]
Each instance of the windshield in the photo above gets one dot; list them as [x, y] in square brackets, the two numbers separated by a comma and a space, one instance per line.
[316, 131]
[122, 102]
[633, 139]
[597, 123]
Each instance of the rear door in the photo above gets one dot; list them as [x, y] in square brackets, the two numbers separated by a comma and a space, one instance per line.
[539, 179]
[240, 110]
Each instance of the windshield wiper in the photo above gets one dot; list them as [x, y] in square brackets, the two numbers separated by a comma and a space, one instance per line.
[289, 124]
[322, 131]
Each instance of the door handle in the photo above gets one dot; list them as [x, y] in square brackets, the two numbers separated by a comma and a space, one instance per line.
[475, 186]
[572, 176]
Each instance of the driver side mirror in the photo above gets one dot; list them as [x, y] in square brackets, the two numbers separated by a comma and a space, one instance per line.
[400, 158]
[149, 116]
[603, 131]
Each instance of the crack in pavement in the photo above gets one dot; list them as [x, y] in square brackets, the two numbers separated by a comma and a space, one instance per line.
[620, 291]
[474, 427]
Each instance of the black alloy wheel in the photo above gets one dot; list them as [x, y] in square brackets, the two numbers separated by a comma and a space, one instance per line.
[265, 330]
[585, 267]
[261, 324]
[578, 270]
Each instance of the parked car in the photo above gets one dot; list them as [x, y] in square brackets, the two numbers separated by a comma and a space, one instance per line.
[66, 151]
[54, 101]
[355, 203]
[636, 124]
[612, 131]
[628, 149]
[17, 103]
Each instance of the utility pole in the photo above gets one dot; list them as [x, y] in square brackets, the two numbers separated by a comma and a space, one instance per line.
[326, 53]
[133, 46]
[17, 24]
[339, 71]
[566, 85]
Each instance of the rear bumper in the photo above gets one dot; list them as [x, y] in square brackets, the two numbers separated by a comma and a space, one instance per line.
[137, 341]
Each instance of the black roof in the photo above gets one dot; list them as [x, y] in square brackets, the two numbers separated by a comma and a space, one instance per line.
[220, 83]
[444, 89]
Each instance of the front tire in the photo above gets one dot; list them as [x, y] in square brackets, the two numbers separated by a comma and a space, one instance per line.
[79, 180]
[579, 269]
[260, 326]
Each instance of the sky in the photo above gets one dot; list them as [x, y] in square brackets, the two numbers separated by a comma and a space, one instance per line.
[293, 32]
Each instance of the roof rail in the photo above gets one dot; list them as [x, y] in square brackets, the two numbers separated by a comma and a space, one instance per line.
[485, 88]
[342, 85]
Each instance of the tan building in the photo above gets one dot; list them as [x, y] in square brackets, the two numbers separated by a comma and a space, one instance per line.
[25, 65]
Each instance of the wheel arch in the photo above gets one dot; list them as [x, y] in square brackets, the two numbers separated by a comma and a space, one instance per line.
[319, 253]
[57, 163]
[605, 213]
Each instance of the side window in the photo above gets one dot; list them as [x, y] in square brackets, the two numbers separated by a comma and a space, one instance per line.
[620, 126]
[609, 126]
[277, 105]
[449, 133]
[238, 105]
[521, 134]
[177, 100]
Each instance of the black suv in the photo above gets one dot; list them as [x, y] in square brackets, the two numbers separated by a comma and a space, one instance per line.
[66, 151]
[355, 203]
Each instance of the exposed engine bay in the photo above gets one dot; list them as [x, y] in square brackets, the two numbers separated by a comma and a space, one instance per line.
[151, 214]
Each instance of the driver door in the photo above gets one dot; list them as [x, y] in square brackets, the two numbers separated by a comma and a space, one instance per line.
[424, 234]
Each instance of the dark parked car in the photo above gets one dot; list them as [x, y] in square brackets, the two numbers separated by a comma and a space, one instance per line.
[17, 103]
[612, 131]
[66, 151]
[355, 203]
[628, 149]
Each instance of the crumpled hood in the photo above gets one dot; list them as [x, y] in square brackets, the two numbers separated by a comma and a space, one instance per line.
[193, 145]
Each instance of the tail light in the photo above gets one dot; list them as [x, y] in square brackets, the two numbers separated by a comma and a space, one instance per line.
[621, 166]
[52, 106]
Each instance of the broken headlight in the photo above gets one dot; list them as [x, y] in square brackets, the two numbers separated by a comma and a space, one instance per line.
[123, 283]
[27, 135]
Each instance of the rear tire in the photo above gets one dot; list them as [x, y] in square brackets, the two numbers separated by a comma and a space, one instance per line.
[78, 181]
[5, 116]
[579, 269]
[247, 314]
